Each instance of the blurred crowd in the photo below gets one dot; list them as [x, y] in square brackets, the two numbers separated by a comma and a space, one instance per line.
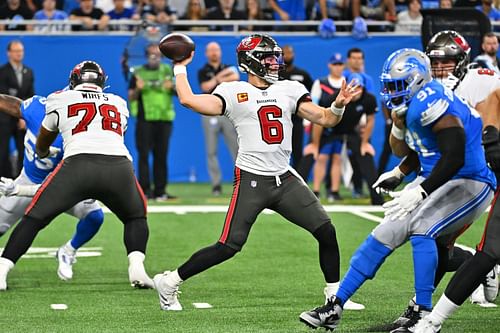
[88, 15]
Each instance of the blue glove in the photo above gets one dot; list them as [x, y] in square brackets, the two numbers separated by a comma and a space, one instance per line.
[359, 28]
[327, 28]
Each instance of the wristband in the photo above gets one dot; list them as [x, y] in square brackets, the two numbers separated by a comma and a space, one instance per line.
[337, 111]
[398, 133]
[179, 69]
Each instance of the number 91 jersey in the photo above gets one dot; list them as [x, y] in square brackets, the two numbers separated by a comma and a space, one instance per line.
[430, 104]
[263, 121]
[89, 122]
[33, 111]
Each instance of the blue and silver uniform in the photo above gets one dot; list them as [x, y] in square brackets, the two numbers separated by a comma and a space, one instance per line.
[431, 103]
[33, 112]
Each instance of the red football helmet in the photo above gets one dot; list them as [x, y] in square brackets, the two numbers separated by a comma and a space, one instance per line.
[260, 55]
[87, 72]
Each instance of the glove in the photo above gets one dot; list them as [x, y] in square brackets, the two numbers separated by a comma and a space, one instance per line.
[404, 202]
[53, 152]
[492, 147]
[359, 28]
[8, 187]
[327, 28]
[388, 181]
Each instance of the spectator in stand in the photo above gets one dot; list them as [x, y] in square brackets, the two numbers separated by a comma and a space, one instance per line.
[489, 59]
[445, 4]
[333, 9]
[106, 5]
[254, 12]
[121, 12]
[86, 14]
[288, 10]
[374, 9]
[194, 10]
[49, 12]
[487, 8]
[159, 11]
[467, 3]
[15, 10]
[410, 20]
[295, 73]
[225, 11]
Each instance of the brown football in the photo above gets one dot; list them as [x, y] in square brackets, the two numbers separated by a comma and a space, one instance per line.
[176, 46]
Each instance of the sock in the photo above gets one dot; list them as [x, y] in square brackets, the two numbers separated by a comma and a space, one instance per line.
[425, 261]
[331, 289]
[69, 248]
[86, 228]
[136, 258]
[173, 279]
[364, 264]
[6, 264]
[443, 309]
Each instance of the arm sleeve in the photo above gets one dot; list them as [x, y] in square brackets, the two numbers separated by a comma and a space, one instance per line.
[221, 92]
[451, 143]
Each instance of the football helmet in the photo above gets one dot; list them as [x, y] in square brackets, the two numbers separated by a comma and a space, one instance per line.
[404, 73]
[87, 72]
[260, 55]
[449, 44]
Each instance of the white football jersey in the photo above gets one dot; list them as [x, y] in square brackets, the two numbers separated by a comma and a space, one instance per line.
[263, 120]
[89, 122]
[477, 84]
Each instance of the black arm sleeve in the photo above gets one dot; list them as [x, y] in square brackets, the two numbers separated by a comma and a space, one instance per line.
[451, 143]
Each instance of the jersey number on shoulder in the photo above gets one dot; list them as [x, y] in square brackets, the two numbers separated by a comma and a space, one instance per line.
[271, 128]
[109, 113]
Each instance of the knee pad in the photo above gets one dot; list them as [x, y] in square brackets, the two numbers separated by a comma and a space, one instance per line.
[326, 234]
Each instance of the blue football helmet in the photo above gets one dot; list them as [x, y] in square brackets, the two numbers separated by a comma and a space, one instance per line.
[404, 73]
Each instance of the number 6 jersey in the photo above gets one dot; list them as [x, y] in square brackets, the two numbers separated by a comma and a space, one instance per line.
[89, 122]
[263, 120]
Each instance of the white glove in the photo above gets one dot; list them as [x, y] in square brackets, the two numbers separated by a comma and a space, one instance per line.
[388, 181]
[404, 202]
[8, 187]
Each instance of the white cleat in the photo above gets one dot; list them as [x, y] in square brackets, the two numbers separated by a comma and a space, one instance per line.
[5, 266]
[349, 305]
[167, 294]
[477, 297]
[139, 278]
[426, 325]
[66, 261]
[3, 280]
[490, 286]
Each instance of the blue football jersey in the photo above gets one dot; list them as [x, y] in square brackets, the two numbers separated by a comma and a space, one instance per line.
[431, 103]
[33, 112]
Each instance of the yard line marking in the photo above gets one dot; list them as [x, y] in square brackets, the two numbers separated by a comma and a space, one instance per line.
[202, 305]
[58, 306]
[368, 216]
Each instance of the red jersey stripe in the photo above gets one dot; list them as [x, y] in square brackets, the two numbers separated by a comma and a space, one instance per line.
[232, 205]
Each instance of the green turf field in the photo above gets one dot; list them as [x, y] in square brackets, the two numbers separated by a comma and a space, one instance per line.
[262, 289]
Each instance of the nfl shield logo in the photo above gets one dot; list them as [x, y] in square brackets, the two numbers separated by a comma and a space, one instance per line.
[253, 183]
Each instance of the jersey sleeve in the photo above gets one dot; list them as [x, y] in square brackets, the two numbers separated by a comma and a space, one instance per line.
[223, 92]
[434, 105]
[477, 85]
[52, 105]
[300, 93]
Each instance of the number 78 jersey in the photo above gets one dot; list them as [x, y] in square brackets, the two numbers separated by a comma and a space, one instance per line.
[89, 122]
[263, 121]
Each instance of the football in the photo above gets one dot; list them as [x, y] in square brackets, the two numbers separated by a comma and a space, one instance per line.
[176, 46]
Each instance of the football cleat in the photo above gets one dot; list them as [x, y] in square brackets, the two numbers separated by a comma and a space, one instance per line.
[139, 278]
[167, 294]
[326, 316]
[415, 315]
[66, 261]
[426, 325]
[349, 305]
[490, 285]
[5, 266]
